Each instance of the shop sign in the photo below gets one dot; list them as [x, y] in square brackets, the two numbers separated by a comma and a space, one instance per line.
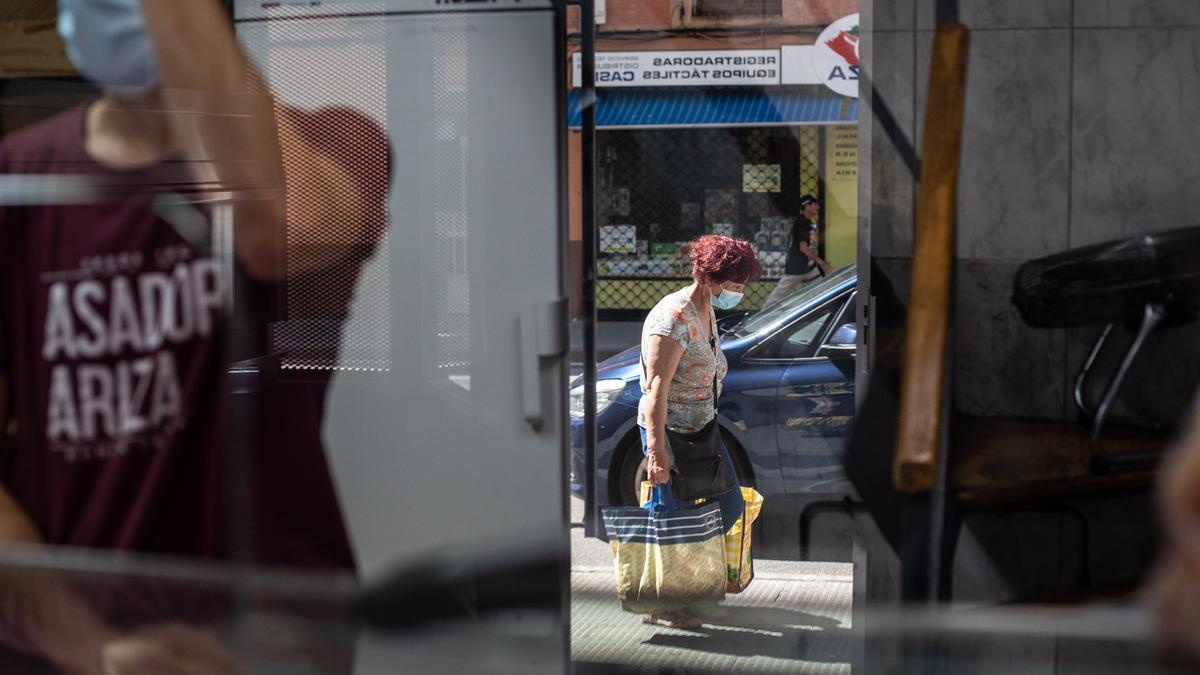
[841, 195]
[797, 65]
[748, 67]
[835, 56]
[618, 239]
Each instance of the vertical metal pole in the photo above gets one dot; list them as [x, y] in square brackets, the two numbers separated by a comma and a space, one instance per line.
[587, 106]
[822, 219]
[947, 11]
[241, 400]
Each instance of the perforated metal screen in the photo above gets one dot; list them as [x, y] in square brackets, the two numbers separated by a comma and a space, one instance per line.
[332, 74]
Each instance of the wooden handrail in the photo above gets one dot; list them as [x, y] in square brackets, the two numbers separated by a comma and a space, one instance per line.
[924, 385]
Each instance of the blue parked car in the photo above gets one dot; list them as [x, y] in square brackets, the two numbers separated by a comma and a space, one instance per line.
[785, 410]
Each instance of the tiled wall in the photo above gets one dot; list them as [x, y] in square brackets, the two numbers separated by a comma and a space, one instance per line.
[1082, 125]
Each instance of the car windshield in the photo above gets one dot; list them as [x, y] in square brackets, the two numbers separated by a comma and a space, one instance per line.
[782, 309]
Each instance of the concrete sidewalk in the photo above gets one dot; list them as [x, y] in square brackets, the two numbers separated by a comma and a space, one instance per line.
[794, 618]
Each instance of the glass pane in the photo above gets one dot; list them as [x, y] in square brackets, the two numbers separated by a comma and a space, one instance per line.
[800, 338]
[787, 306]
[128, 612]
[728, 119]
[281, 291]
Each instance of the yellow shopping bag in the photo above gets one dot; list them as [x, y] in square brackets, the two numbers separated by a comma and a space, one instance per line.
[739, 563]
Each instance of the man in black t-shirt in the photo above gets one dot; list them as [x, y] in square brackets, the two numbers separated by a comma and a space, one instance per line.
[803, 262]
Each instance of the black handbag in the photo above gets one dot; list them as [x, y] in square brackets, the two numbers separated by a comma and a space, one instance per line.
[700, 468]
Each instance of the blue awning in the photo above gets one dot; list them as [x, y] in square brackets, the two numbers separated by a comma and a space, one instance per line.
[626, 108]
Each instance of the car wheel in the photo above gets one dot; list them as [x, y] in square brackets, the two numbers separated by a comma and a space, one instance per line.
[741, 463]
[633, 472]
[633, 469]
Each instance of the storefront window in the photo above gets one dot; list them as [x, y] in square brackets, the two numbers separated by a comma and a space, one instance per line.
[659, 189]
[721, 135]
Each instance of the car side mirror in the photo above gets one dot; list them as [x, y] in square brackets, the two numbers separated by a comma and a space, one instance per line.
[842, 344]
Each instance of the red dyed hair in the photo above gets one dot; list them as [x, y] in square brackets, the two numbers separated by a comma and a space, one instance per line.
[717, 258]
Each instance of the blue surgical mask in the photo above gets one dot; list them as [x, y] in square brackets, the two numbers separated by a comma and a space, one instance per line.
[727, 299]
[107, 41]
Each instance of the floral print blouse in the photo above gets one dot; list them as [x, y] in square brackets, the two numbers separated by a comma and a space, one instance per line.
[689, 399]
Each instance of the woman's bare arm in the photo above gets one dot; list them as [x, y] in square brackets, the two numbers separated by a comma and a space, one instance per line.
[662, 359]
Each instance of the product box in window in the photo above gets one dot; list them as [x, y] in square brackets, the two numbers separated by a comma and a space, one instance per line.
[684, 258]
[668, 250]
[618, 239]
[772, 258]
[767, 239]
[778, 240]
[659, 268]
[631, 267]
[762, 240]
[621, 267]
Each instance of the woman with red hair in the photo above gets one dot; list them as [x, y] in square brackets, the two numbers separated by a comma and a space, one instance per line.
[683, 368]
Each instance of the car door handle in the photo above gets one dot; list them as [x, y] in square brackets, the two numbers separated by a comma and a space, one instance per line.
[543, 337]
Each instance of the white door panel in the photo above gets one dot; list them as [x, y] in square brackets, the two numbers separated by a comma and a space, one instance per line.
[438, 441]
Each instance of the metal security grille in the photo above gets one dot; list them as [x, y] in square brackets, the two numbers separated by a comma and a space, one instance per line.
[810, 157]
[659, 189]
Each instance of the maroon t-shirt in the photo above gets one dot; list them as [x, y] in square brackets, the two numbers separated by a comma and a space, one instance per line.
[111, 337]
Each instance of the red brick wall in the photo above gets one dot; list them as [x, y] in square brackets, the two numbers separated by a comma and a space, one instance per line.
[636, 15]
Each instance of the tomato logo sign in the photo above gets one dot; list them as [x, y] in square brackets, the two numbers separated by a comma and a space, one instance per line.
[846, 46]
[835, 56]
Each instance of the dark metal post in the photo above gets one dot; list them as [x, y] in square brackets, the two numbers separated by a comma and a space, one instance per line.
[947, 11]
[587, 107]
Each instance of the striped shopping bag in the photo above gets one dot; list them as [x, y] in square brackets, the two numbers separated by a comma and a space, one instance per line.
[667, 560]
[738, 560]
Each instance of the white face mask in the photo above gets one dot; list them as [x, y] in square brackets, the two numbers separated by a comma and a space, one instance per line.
[107, 41]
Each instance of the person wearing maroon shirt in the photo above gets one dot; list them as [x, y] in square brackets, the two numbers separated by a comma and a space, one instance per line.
[110, 319]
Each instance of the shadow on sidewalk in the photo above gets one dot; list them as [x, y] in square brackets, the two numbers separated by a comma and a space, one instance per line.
[754, 631]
